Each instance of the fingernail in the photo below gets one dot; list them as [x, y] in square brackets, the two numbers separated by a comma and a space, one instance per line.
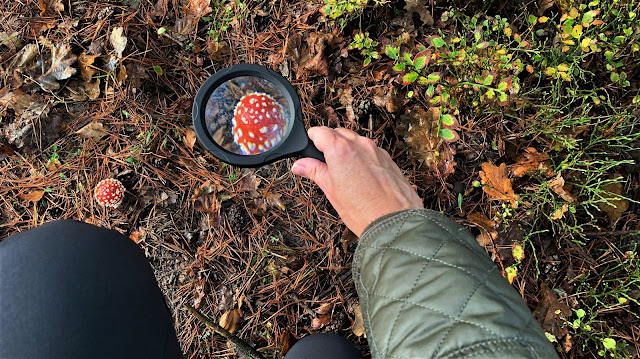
[297, 169]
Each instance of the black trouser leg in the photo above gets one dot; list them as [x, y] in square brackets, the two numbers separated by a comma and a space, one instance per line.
[72, 290]
[323, 346]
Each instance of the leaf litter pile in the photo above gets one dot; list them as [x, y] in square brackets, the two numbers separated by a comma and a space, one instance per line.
[92, 91]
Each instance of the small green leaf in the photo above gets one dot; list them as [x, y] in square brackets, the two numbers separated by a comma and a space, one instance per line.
[367, 61]
[447, 120]
[490, 94]
[437, 42]
[431, 90]
[488, 80]
[609, 343]
[157, 69]
[580, 313]
[392, 52]
[503, 85]
[434, 77]
[614, 77]
[399, 67]
[162, 30]
[407, 58]
[502, 97]
[420, 62]
[449, 135]
[409, 77]
[421, 47]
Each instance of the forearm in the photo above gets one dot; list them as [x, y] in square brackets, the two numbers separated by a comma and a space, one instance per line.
[428, 290]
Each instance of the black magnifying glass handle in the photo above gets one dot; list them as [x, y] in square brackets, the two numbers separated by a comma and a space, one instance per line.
[312, 152]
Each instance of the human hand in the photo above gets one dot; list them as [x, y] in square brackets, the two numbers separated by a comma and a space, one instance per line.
[360, 179]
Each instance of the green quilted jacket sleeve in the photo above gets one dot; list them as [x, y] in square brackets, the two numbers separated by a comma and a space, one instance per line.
[427, 290]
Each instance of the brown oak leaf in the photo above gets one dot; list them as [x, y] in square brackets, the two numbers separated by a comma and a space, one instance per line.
[496, 183]
[531, 160]
[487, 228]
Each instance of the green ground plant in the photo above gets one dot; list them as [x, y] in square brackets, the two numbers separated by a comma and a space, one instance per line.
[340, 12]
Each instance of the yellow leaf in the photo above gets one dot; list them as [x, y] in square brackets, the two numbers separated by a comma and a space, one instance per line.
[517, 252]
[512, 273]
[543, 19]
[507, 31]
[565, 48]
[573, 13]
[577, 31]
[563, 67]
[550, 71]
[568, 42]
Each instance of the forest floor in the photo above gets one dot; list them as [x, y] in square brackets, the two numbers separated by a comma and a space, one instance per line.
[519, 119]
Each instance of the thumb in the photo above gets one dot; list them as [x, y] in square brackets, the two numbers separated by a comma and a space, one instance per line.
[312, 169]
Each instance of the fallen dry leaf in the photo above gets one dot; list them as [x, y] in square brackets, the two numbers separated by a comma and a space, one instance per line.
[94, 130]
[33, 196]
[358, 322]
[230, 319]
[543, 5]
[91, 89]
[269, 200]
[560, 212]
[320, 321]
[85, 63]
[421, 8]
[551, 313]
[531, 160]
[250, 182]
[207, 203]
[487, 228]
[60, 69]
[346, 99]
[287, 340]
[54, 5]
[420, 130]
[190, 138]
[28, 108]
[118, 41]
[324, 309]
[138, 236]
[616, 203]
[557, 185]
[198, 292]
[496, 183]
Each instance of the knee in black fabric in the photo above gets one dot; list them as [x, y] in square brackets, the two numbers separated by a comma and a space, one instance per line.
[323, 346]
[71, 289]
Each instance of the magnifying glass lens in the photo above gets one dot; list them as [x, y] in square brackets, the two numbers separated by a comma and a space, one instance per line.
[248, 115]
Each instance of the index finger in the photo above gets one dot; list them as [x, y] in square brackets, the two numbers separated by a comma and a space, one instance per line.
[322, 137]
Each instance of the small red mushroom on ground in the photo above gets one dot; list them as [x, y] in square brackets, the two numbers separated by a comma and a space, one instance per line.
[109, 192]
[259, 123]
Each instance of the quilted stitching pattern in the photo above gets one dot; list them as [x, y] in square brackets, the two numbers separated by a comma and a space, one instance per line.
[428, 290]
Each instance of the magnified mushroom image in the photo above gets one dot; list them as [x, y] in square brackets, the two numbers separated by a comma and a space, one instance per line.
[247, 115]
[258, 123]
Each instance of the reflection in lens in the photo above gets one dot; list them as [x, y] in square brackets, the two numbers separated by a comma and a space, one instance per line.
[247, 115]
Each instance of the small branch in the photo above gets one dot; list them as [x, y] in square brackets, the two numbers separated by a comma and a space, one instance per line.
[243, 349]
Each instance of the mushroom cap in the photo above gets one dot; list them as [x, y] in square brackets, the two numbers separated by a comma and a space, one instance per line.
[109, 192]
[259, 123]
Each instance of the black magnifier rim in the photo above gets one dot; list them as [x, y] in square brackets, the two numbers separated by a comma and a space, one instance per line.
[295, 139]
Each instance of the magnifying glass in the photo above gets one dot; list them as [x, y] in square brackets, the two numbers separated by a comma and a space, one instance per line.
[248, 115]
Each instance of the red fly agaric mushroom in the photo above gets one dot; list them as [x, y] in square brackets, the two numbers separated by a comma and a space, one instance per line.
[259, 123]
[109, 192]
